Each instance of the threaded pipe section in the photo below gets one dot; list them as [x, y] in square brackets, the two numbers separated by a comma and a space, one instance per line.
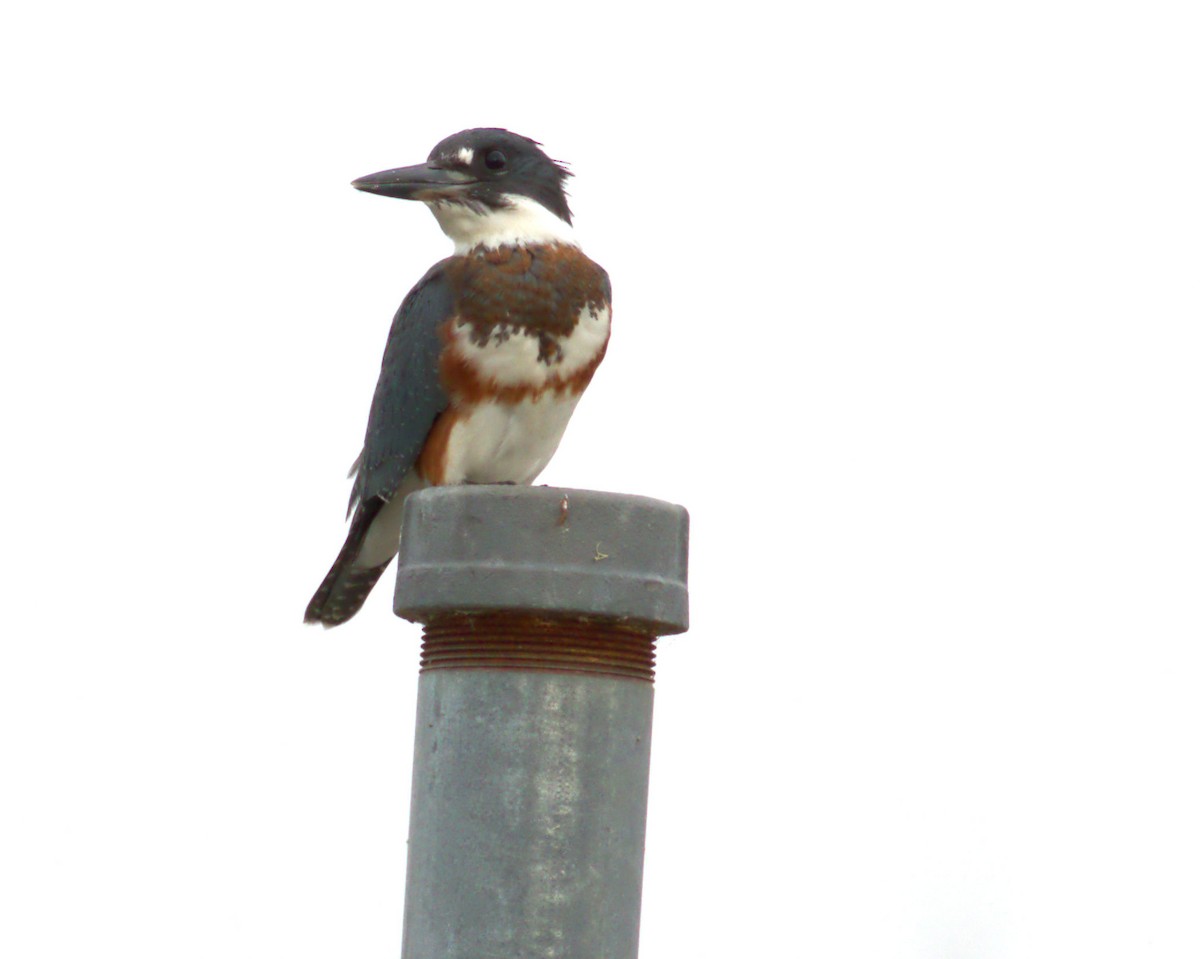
[523, 641]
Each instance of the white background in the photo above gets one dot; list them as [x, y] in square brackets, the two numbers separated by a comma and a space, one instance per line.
[906, 315]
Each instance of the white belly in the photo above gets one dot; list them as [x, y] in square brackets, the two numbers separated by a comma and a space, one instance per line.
[507, 442]
[494, 443]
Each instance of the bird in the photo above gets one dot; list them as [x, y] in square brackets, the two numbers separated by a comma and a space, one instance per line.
[488, 354]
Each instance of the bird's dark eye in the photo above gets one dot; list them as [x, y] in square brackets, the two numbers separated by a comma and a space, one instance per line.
[495, 160]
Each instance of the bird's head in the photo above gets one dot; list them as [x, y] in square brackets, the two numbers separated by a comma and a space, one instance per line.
[486, 187]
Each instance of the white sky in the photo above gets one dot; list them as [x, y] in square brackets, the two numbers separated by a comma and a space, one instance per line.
[906, 310]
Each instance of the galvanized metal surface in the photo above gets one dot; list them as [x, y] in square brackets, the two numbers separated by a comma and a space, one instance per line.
[528, 815]
[543, 548]
[534, 708]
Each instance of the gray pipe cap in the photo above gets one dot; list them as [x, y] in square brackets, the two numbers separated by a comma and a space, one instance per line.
[542, 549]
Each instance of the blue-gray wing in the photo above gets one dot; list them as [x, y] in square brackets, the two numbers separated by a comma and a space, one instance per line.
[409, 395]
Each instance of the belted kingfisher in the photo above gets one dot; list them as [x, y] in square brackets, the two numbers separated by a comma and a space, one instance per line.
[487, 355]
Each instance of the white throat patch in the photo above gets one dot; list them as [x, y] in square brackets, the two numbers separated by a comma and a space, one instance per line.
[522, 222]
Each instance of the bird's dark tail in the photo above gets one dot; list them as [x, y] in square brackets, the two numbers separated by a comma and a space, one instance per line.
[345, 587]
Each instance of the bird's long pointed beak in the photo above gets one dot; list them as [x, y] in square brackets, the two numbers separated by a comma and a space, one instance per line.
[419, 182]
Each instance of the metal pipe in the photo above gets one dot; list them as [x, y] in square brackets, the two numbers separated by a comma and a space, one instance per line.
[534, 707]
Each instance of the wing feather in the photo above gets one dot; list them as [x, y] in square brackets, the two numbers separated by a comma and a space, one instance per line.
[409, 396]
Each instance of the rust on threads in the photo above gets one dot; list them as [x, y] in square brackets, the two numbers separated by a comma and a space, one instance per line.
[525, 641]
